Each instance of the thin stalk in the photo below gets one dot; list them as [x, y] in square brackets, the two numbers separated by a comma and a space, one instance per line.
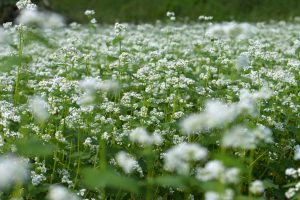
[250, 170]
[20, 54]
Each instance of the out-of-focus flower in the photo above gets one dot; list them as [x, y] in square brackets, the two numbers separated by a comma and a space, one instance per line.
[39, 108]
[40, 19]
[128, 163]
[57, 192]
[12, 170]
[257, 187]
[178, 158]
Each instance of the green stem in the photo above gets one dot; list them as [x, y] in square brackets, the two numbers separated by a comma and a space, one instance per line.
[250, 170]
[20, 54]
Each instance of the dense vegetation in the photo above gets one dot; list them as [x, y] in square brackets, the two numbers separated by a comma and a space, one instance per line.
[110, 11]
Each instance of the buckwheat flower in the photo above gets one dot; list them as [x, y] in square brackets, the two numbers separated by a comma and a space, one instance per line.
[127, 163]
[109, 85]
[228, 194]
[205, 18]
[216, 114]
[239, 137]
[119, 28]
[178, 158]
[231, 175]
[39, 108]
[297, 152]
[257, 187]
[26, 4]
[40, 19]
[3, 36]
[242, 61]
[170, 14]
[141, 136]
[291, 172]
[12, 170]
[7, 25]
[157, 139]
[263, 133]
[210, 195]
[57, 192]
[212, 170]
[89, 12]
[290, 193]
[93, 21]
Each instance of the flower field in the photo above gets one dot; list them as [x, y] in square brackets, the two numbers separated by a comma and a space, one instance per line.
[169, 110]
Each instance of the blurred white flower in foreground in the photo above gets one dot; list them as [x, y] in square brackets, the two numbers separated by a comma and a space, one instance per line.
[215, 170]
[297, 152]
[57, 192]
[141, 136]
[178, 158]
[228, 194]
[242, 61]
[217, 113]
[128, 163]
[257, 187]
[40, 19]
[3, 36]
[39, 108]
[13, 170]
[239, 31]
[90, 86]
[242, 137]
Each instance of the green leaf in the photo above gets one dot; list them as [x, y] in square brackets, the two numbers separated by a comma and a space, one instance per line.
[93, 179]
[117, 40]
[81, 155]
[35, 147]
[269, 184]
[111, 58]
[168, 181]
[7, 63]
[230, 161]
[32, 36]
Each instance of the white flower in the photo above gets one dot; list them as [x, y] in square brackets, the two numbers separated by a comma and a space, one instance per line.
[227, 195]
[127, 163]
[93, 21]
[119, 28]
[12, 170]
[26, 4]
[239, 137]
[4, 37]
[257, 187]
[297, 152]
[89, 12]
[215, 115]
[7, 25]
[290, 193]
[291, 172]
[39, 107]
[141, 136]
[41, 19]
[57, 192]
[212, 170]
[242, 61]
[178, 158]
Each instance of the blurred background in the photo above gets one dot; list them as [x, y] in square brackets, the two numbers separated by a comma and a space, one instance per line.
[136, 11]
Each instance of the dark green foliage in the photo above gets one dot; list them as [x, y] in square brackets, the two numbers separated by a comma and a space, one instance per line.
[110, 11]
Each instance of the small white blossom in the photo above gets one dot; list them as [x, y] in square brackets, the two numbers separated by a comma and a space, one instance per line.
[257, 187]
